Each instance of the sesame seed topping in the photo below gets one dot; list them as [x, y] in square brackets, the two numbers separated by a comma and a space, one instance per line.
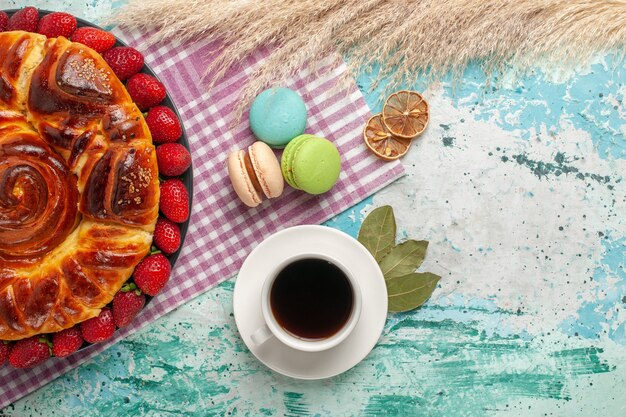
[88, 71]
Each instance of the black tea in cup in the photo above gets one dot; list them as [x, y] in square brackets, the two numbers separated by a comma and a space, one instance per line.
[312, 298]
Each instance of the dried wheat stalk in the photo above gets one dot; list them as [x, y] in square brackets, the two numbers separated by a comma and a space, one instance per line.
[412, 37]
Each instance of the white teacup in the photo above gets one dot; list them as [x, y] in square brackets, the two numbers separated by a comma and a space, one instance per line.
[272, 328]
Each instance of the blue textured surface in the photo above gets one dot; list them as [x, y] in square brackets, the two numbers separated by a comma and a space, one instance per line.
[520, 191]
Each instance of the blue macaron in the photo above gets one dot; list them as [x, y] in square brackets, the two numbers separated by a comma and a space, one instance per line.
[277, 115]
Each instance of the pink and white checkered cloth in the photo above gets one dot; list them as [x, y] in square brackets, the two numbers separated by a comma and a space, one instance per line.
[222, 230]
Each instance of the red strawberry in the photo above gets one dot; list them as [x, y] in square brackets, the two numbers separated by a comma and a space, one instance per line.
[98, 329]
[163, 124]
[28, 353]
[126, 304]
[152, 274]
[173, 159]
[4, 21]
[5, 349]
[25, 19]
[57, 24]
[96, 39]
[166, 236]
[145, 90]
[66, 342]
[124, 61]
[174, 200]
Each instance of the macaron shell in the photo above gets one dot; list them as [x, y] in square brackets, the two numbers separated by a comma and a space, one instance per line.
[277, 115]
[287, 158]
[242, 184]
[316, 165]
[267, 169]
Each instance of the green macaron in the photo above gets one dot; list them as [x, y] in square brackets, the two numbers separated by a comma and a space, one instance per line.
[311, 164]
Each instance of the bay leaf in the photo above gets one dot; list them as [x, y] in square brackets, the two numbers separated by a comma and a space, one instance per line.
[378, 232]
[404, 258]
[410, 291]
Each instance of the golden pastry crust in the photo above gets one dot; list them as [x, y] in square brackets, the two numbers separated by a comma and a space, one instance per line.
[79, 186]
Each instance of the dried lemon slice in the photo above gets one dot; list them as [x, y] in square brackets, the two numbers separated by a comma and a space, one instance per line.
[405, 114]
[382, 142]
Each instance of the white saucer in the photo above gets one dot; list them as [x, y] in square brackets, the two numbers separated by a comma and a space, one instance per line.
[303, 239]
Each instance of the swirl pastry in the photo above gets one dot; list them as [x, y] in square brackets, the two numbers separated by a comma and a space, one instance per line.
[79, 184]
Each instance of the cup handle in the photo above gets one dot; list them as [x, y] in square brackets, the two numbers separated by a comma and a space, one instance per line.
[261, 335]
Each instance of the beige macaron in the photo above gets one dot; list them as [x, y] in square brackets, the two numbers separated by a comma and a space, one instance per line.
[255, 173]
